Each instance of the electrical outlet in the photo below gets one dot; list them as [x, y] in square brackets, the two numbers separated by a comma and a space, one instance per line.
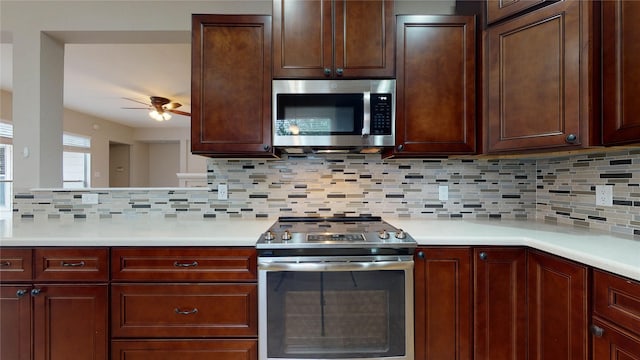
[90, 199]
[604, 195]
[223, 193]
[443, 193]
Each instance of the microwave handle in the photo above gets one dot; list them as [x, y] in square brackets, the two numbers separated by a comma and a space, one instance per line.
[366, 119]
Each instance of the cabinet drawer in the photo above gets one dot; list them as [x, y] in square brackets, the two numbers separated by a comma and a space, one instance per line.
[617, 299]
[184, 350]
[188, 264]
[184, 310]
[64, 264]
[15, 264]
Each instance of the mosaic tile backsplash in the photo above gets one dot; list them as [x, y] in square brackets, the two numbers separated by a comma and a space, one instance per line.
[559, 189]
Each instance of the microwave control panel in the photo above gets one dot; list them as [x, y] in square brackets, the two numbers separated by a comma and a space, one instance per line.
[381, 114]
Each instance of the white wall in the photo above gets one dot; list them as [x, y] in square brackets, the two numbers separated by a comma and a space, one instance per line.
[164, 164]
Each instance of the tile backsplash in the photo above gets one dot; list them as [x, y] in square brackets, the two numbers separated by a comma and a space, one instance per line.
[557, 189]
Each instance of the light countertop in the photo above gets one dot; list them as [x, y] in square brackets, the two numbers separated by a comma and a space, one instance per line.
[602, 250]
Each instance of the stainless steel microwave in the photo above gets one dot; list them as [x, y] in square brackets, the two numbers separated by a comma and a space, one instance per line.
[334, 114]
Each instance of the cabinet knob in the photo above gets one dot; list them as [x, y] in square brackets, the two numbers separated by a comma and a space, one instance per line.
[266, 147]
[21, 293]
[327, 71]
[597, 331]
[483, 256]
[420, 254]
[339, 71]
[400, 147]
[571, 138]
[35, 292]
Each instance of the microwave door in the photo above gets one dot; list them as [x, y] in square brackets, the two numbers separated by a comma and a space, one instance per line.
[366, 118]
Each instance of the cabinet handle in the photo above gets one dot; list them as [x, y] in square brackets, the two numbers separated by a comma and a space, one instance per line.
[571, 138]
[483, 255]
[421, 255]
[339, 71]
[186, 312]
[22, 292]
[327, 71]
[66, 264]
[180, 264]
[5, 263]
[597, 331]
[35, 292]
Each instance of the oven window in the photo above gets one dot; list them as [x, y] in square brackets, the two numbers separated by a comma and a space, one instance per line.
[319, 114]
[333, 315]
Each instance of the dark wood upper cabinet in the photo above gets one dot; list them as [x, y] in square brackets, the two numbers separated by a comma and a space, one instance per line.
[443, 308]
[321, 39]
[231, 86]
[621, 73]
[558, 308]
[500, 303]
[541, 76]
[436, 85]
[500, 9]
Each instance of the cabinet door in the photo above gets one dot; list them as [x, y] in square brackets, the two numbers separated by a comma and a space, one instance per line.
[443, 303]
[500, 303]
[436, 85]
[615, 343]
[184, 350]
[558, 311]
[302, 39]
[621, 73]
[333, 39]
[231, 86]
[70, 322]
[15, 324]
[539, 89]
[499, 9]
[364, 41]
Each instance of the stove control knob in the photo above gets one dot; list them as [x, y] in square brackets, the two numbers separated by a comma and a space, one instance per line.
[286, 236]
[400, 234]
[269, 235]
[383, 234]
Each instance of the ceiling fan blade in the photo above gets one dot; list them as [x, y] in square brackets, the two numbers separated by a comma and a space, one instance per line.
[172, 105]
[184, 113]
[134, 100]
[129, 108]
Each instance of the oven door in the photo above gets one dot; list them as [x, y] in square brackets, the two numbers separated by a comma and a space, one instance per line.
[336, 308]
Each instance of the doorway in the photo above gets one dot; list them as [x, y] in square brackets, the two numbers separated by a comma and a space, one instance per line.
[119, 164]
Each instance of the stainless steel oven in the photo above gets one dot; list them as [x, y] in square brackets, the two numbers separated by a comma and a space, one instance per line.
[327, 293]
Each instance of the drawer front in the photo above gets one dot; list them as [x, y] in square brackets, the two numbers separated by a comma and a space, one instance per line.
[15, 265]
[66, 264]
[617, 299]
[184, 310]
[183, 264]
[184, 350]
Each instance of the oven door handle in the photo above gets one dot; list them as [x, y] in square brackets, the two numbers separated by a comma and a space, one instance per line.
[335, 266]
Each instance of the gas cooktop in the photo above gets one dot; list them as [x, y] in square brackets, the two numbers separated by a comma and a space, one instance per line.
[334, 232]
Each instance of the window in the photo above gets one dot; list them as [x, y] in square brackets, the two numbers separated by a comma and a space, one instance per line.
[76, 162]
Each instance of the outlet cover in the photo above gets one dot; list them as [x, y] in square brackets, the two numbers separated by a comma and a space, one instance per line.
[223, 193]
[90, 199]
[443, 193]
[604, 195]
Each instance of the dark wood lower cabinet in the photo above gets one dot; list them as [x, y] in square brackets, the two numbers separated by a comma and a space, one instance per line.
[500, 303]
[615, 343]
[184, 349]
[558, 309]
[70, 322]
[443, 303]
[15, 322]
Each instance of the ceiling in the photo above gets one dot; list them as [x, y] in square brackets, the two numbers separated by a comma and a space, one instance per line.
[98, 79]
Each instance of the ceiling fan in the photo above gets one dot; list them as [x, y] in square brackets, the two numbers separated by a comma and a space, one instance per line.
[160, 107]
